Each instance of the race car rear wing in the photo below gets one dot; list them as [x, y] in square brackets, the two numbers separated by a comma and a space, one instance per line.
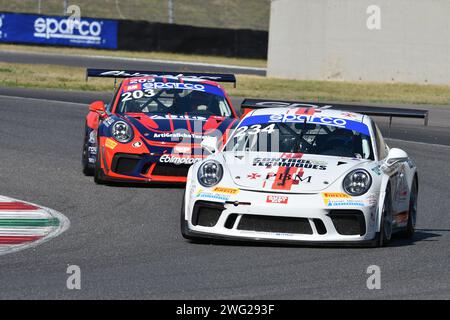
[108, 73]
[249, 104]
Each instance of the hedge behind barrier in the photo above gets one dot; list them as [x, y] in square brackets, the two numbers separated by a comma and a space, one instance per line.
[148, 36]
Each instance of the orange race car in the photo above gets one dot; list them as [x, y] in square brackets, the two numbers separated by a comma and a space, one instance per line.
[152, 129]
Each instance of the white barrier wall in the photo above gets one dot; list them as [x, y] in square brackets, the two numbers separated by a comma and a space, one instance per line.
[361, 40]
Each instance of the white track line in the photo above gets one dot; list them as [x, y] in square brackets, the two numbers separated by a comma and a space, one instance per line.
[49, 100]
[421, 143]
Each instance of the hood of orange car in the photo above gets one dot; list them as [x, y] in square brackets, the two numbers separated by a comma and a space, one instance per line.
[178, 128]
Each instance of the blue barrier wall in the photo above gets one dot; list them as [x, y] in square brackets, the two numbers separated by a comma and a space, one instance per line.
[131, 35]
[53, 30]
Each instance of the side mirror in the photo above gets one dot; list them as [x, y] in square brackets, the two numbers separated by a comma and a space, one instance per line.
[98, 107]
[396, 155]
[209, 144]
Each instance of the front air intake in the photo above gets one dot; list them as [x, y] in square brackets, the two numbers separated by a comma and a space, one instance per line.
[275, 224]
[348, 222]
[206, 214]
[125, 163]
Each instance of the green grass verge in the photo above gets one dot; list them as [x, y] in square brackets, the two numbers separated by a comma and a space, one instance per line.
[69, 78]
[248, 14]
[259, 63]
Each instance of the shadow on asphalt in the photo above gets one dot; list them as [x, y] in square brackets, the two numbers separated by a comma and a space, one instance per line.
[151, 185]
[419, 235]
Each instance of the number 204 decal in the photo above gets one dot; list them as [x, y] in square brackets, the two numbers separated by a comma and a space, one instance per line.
[137, 94]
[254, 129]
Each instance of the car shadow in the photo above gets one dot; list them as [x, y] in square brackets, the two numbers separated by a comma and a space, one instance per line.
[397, 241]
[147, 185]
[419, 235]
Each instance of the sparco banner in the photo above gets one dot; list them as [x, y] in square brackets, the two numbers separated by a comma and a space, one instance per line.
[67, 31]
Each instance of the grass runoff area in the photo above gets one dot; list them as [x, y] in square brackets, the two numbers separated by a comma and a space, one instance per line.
[70, 78]
[258, 63]
[234, 14]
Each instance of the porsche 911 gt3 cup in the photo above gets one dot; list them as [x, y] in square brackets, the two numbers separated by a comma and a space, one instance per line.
[151, 130]
[300, 174]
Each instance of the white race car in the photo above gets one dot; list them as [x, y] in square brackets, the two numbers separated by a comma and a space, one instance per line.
[302, 175]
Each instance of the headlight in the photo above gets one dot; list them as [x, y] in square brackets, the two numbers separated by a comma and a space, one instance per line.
[122, 132]
[357, 182]
[210, 173]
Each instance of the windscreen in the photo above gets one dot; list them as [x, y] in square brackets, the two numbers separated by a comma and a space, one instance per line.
[301, 137]
[173, 98]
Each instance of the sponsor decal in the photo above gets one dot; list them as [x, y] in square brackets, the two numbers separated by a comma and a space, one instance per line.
[182, 149]
[281, 176]
[348, 115]
[310, 118]
[212, 196]
[290, 162]
[253, 176]
[173, 76]
[178, 160]
[133, 87]
[347, 202]
[377, 170]
[224, 190]
[336, 199]
[91, 160]
[174, 85]
[110, 143]
[372, 199]
[278, 234]
[277, 199]
[108, 122]
[92, 150]
[335, 195]
[178, 135]
[137, 144]
[92, 136]
[176, 117]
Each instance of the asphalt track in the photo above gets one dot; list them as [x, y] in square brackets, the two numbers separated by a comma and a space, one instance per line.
[126, 239]
[109, 62]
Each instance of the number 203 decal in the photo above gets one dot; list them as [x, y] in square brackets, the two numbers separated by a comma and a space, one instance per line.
[138, 94]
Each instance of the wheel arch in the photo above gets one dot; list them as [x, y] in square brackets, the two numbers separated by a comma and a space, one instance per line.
[385, 185]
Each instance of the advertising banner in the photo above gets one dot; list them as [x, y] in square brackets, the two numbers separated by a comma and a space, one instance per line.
[53, 30]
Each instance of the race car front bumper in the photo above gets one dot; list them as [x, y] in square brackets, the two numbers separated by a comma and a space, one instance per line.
[127, 163]
[274, 217]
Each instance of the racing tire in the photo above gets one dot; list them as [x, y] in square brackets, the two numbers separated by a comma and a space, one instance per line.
[383, 237]
[87, 169]
[98, 171]
[412, 213]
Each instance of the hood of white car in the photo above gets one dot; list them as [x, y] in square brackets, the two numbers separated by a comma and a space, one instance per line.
[286, 172]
